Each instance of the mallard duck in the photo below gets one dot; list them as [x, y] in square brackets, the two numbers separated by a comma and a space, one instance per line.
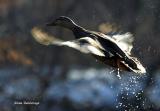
[111, 49]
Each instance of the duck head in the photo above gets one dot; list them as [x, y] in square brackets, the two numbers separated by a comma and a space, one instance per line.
[64, 22]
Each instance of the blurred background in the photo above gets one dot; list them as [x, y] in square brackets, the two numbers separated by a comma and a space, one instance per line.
[63, 79]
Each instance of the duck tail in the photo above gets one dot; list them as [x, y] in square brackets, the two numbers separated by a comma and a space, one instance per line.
[134, 64]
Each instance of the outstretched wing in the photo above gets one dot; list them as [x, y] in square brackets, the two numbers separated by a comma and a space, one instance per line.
[83, 44]
[113, 46]
[44, 38]
[124, 41]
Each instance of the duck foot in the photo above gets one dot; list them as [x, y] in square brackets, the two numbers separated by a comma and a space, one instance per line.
[118, 74]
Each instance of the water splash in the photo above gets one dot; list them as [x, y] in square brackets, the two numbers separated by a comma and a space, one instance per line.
[130, 89]
[118, 74]
[116, 71]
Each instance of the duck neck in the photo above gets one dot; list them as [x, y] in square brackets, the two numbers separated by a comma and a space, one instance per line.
[79, 31]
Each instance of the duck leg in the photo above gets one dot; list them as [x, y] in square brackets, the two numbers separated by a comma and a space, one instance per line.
[118, 69]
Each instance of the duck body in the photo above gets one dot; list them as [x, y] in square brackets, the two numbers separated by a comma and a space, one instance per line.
[105, 48]
[109, 45]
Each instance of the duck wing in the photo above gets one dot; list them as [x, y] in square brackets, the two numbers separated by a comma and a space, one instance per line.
[124, 41]
[108, 43]
[113, 46]
[85, 44]
[44, 38]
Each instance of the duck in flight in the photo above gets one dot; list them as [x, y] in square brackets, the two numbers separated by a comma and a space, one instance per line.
[111, 49]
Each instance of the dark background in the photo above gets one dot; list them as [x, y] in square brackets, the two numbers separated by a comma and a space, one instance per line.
[63, 79]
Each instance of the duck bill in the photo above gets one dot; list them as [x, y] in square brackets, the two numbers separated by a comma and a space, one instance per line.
[51, 24]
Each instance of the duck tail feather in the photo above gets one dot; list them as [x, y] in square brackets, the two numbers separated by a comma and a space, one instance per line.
[134, 64]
